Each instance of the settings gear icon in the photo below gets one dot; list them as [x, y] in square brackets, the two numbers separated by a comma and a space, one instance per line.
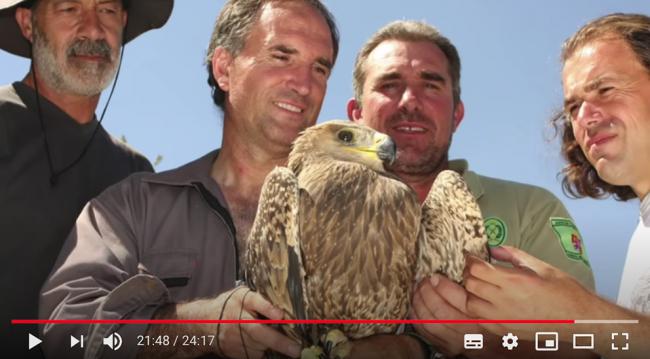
[509, 341]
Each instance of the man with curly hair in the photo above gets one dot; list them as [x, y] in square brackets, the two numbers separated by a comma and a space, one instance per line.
[605, 130]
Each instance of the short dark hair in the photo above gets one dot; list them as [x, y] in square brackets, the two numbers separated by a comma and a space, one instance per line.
[235, 23]
[407, 30]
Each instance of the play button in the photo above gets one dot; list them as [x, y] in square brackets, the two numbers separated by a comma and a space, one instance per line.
[33, 341]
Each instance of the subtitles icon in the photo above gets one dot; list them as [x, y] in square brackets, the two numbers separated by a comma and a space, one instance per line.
[546, 341]
[113, 341]
[583, 341]
[626, 344]
[473, 341]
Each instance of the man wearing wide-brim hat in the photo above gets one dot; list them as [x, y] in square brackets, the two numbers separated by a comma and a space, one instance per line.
[54, 153]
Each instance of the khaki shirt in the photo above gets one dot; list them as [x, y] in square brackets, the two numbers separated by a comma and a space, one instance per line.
[531, 219]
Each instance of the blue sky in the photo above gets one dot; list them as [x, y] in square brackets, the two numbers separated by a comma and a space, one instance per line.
[510, 86]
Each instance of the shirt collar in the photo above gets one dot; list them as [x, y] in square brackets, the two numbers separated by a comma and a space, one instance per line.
[644, 209]
[187, 175]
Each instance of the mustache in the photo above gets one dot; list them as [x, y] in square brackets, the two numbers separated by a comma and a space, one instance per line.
[87, 47]
[409, 116]
[602, 127]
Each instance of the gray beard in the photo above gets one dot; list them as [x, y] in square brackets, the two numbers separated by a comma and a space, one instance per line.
[85, 79]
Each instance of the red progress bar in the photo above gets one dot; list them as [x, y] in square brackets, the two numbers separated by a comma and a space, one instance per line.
[291, 321]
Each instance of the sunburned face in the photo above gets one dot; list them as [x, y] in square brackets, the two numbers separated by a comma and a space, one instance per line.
[76, 43]
[277, 83]
[407, 94]
[607, 99]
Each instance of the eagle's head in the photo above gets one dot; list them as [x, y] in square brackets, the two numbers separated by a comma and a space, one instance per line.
[342, 141]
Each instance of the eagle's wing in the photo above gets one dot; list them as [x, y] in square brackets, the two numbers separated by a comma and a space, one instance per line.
[274, 260]
[451, 223]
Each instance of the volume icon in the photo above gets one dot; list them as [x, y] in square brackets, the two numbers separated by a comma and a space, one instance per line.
[113, 341]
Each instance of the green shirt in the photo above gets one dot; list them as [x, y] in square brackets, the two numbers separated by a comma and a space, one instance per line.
[531, 219]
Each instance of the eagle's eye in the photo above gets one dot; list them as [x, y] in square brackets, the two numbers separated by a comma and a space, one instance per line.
[346, 136]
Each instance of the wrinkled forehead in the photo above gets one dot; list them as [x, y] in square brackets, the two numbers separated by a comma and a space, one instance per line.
[294, 18]
[401, 57]
[597, 61]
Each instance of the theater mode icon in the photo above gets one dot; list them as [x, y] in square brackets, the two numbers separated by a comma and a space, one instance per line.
[583, 341]
[473, 341]
[546, 341]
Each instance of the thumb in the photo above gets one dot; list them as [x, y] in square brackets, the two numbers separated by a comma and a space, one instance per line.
[519, 259]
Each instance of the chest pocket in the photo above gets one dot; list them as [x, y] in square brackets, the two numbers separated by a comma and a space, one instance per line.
[173, 267]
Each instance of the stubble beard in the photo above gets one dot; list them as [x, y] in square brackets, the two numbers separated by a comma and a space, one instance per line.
[430, 161]
[74, 77]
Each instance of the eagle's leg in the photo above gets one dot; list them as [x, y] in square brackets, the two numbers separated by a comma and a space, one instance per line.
[336, 344]
[313, 352]
[333, 345]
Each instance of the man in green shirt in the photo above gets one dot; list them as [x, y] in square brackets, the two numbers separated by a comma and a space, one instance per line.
[407, 85]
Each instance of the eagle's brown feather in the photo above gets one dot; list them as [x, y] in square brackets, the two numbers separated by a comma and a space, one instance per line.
[361, 235]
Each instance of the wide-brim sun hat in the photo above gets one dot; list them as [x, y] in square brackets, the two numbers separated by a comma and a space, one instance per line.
[143, 15]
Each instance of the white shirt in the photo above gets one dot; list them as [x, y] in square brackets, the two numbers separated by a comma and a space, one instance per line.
[634, 292]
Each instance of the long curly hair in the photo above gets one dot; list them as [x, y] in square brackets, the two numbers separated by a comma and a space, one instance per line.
[579, 177]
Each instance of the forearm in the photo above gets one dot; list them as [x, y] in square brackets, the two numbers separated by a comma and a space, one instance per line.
[607, 336]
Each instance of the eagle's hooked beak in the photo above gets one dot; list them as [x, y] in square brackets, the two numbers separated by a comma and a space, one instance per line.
[387, 150]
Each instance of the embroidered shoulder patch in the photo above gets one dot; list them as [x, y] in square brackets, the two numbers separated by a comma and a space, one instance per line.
[496, 231]
[570, 240]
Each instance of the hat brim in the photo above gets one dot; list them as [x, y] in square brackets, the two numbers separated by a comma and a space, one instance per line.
[143, 15]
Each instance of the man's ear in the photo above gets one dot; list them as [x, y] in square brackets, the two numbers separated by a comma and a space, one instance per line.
[24, 19]
[459, 113]
[354, 110]
[221, 61]
[125, 18]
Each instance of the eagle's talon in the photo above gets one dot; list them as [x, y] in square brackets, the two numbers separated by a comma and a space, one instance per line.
[313, 352]
[336, 344]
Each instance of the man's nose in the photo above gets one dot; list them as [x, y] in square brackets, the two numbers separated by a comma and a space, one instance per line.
[91, 25]
[301, 80]
[589, 115]
[409, 100]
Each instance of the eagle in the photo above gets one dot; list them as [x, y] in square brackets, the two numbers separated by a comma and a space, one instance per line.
[336, 236]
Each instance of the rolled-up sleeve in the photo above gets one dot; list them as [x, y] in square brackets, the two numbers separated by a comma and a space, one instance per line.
[98, 275]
